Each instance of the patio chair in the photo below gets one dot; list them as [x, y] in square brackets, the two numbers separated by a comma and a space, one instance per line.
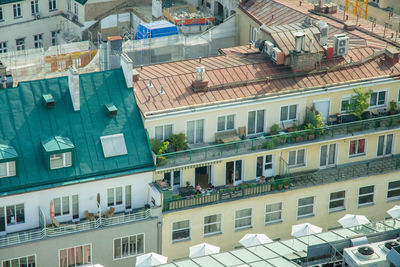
[110, 213]
[55, 222]
[89, 216]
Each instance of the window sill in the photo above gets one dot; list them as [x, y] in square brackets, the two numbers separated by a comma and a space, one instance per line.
[273, 222]
[336, 210]
[125, 257]
[365, 205]
[393, 199]
[243, 228]
[212, 234]
[357, 155]
[385, 156]
[305, 216]
[297, 166]
[52, 10]
[181, 240]
[20, 17]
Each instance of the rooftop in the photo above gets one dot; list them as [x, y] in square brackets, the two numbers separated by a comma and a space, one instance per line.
[29, 127]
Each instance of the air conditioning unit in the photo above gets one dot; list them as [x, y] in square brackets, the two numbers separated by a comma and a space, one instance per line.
[324, 29]
[277, 56]
[341, 44]
[268, 47]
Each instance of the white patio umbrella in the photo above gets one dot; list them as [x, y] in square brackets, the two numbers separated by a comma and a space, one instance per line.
[394, 212]
[150, 259]
[250, 240]
[350, 220]
[304, 229]
[202, 250]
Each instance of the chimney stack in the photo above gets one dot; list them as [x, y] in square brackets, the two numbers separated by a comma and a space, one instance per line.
[127, 68]
[300, 40]
[73, 83]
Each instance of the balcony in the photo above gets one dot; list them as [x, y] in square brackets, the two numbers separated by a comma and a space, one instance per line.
[265, 143]
[70, 228]
[286, 182]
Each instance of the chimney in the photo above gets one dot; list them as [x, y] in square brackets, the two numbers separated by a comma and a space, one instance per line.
[392, 54]
[73, 83]
[200, 83]
[127, 68]
[299, 41]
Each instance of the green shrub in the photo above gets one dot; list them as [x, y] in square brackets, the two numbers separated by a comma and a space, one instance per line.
[274, 128]
[178, 141]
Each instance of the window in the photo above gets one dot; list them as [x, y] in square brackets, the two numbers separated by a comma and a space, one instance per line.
[76, 9]
[34, 7]
[393, 190]
[289, 113]
[20, 44]
[344, 104]
[15, 214]
[26, 261]
[1, 14]
[60, 160]
[255, 122]
[181, 230]
[327, 155]
[38, 40]
[253, 34]
[69, 6]
[305, 207]
[336, 201]
[212, 224]
[3, 47]
[75, 256]
[366, 195]
[173, 179]
[377, 99]
[61, 206]
[273, 213]
[54, 37]
[52, 5]
[385, 144]
[128, 246]
[75, 207]
[264, 166]
[128, 197]
[17, 10]
[357, 147]
[296, 158]
[114, 196]
[113, 145]
[195, 131]
[163, 132]
[226, 123]
[243, 218]
[7, 169]
[233, 171]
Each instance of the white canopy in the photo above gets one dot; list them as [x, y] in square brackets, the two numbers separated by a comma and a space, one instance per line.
[304, 229]
[394, 212]
[350, 220]
[202, 250]
[150, 259]
[250, 240]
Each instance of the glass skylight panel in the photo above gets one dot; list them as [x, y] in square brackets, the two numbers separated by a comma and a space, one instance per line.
[392, 223]
[260, 264]
[329, 236]
[281, 262]
[207, 261]
[187, 263]
[311, 240]
[245, 255]
[227, 259]
[263, 252]
[113, 145]
[346, 233]
[295, 244]
[279, 248]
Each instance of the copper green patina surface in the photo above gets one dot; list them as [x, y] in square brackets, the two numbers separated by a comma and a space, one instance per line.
[28, 129]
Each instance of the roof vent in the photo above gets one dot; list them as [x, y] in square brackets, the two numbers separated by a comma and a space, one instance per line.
[300, 41]
[389, 245]
[365, 252]
[307, 22]
[111, 110]
[200, 83]
[48, 101]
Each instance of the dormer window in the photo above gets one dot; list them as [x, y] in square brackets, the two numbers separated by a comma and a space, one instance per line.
[58, 152]
[8, 161]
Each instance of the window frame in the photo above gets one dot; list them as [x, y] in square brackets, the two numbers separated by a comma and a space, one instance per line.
[288, 113]
[272, 212]
[64, 160]
[304, 206]
[377, 99]
[12, 259]
[213, 223]
[241, 173]
[62, 214]
[34, 7]
[52, 5]
[364, 195]
[20, 46]
[253, 34]
[345, 98]
[75, 247]
[163, 131]
[1, 14]
[392, 189]
[115, 204]
[17, 11]
[328, 150]
[341, 208]
[297, 165]
[384, 149]
[16, 222]
[131, 255]
[180, 229]
[8, 168]
[195, 130]
[255, 122]
[38, 40]
[357, 154]
[226, 123]
[245, 217]
[172, 179]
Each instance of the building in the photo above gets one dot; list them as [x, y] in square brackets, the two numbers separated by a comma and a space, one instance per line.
[75, 170]
[241, 112]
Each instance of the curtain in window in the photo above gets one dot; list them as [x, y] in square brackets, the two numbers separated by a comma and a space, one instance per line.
[68, 158]
[159, 133]
[323, 158]
[57, 206]
[71, 257]
[352, 147]
[238, 171]
[199, 131]
[372, 101]
[2, 220]
[117, 248]
[251, 122]
[132, 245]
[230, 124]
[75, 207]
[381, 141]
[118, 197]
[31, 261]
[65, 205]
[12, 171]
[63, 258]
[259, 167]
[79, 255]
[260, 121]
[177, 177]
[140, 242]
[125, 246]
[87, 254]
[292, 158]
[3, 169]
[20, 213]
[229, 172]
[10, 214]
[110, 196]
[389, 141]
[292, 112]
[128, 197]
[361, 146]
[332, 154]
[221, 123]
[300, 156]
[167, 131]
[284, 113]
[190, 132]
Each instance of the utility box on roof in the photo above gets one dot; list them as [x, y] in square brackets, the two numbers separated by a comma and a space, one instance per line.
[155, 30]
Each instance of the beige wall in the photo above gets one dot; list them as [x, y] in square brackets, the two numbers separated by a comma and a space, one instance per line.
[244, 29]
[323, 218]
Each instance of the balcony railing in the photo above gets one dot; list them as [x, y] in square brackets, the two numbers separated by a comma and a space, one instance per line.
[64, 229]
[213, 152]
[289, 182]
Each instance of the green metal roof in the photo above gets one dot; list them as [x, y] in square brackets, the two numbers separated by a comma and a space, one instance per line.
[7, 153]
[2, 2]
[82, 2]
[25, 123]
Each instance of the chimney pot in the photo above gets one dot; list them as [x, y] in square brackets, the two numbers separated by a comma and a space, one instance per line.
[73, 84]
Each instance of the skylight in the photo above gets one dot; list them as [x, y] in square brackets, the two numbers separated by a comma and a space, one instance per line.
[113, 145]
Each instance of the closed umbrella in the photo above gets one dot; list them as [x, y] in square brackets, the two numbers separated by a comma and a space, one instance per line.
[394, 212]
[202, 250]
[98, 204]
[150, 259]
[250, 240]
[52, 209]
[304, 229]
[350, 220]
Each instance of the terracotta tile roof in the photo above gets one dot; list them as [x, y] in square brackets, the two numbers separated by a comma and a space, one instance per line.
[240, 74]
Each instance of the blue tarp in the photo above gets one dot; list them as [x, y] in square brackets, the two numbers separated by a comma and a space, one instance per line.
[155, 29]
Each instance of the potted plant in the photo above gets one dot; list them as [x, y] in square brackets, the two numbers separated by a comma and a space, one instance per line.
[274, 129]
[159, 148]
[280, 186]
[311, 130]
[269, 144]
[359, 102]
[392, 107]
[178, 141]
[187, 184]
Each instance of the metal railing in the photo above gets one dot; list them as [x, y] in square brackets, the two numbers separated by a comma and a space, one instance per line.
[290, 181]
[64, 229]
[217, 151]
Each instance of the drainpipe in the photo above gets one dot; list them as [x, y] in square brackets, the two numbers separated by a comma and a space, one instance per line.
[159, 224]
